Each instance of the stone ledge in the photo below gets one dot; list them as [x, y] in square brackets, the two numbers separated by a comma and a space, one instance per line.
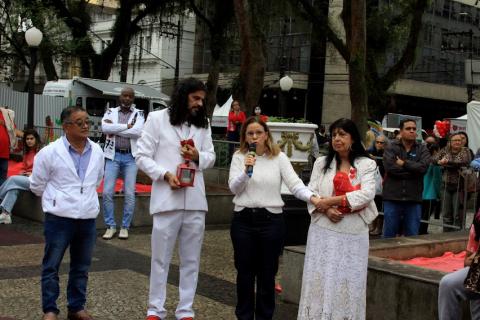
[220, 208]
[395, 291]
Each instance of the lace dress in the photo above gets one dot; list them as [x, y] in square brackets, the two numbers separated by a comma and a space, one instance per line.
[335, 271]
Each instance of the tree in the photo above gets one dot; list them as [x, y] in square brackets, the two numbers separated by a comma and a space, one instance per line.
[218, 28]
[17, 17]
[252, 59]
[129, 14]
[366, 82]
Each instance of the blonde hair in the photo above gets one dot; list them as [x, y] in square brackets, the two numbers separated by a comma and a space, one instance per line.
[272, 149]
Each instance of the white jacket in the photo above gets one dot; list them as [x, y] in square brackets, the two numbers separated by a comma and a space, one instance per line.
[121, 129]
[55, 179]
[159, 152]
[322, 184]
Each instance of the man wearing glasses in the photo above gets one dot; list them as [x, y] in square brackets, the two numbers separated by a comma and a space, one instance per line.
[405, 161]
[123, 126]
[66, 174]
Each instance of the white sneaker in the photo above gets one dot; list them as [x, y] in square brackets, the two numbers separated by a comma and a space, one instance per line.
[5, 218]
[123, 234]
[109, 233]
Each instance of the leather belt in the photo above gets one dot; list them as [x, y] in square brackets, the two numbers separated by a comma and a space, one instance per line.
[123, 150]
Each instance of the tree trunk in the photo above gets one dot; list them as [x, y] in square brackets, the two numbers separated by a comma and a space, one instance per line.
[357, 81]
[252, 65]
[212, 86]
[125, 62]
[47, 62]
[316, 75]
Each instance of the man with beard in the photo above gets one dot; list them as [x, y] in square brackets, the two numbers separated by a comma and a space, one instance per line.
[178, 212]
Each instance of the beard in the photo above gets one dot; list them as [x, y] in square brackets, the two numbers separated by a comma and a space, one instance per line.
[197, 117]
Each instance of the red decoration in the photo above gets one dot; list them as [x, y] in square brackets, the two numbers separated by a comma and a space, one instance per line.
[342, 185]
[441, 128]
[353, 173]
[188, 141]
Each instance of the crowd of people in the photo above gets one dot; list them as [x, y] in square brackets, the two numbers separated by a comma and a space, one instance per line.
[401, 177]
[421, 179]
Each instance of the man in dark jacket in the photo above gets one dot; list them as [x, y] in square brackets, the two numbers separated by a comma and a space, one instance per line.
[405, 162]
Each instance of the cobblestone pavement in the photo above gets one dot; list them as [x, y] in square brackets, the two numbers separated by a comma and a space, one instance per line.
[118, 282]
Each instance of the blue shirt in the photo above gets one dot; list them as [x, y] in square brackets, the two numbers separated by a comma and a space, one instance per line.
[80, 161]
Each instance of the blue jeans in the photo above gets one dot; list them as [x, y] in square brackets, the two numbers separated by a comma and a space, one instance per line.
[124, 164]
[401, 213]
[61, 233]
[10, 189]
[3, 170]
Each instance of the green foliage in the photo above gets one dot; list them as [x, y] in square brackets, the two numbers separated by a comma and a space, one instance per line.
[19, 16]
[288, 120]
[388, 27]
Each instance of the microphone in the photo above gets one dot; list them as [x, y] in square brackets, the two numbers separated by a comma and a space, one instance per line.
[252, 150]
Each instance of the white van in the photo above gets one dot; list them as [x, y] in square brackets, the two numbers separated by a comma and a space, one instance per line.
[98, 95]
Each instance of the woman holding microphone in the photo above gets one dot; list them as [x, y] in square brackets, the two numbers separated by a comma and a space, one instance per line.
[258, 227]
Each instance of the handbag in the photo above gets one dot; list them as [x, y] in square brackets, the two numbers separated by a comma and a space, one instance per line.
[470, 178]
[378, 182]
[472, 281]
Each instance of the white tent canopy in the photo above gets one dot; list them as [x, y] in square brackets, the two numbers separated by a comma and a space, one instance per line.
[473, 124]
[220, 114]
[458, 124]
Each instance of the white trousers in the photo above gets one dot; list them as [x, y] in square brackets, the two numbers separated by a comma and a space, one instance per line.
[188, 227]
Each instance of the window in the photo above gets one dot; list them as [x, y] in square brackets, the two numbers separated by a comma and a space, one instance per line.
[148, 43]
[158, 106]
[97, 106]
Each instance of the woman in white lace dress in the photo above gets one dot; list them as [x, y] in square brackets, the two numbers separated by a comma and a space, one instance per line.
[336, 258]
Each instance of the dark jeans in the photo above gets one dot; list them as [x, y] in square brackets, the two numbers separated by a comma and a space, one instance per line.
[452, 208]
[257, 237]
[61, 233]
[428, 208]
[3, 170]
[233, 136]
[401, 214]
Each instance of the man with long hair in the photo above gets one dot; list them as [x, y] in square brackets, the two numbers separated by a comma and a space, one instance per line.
[170, 137]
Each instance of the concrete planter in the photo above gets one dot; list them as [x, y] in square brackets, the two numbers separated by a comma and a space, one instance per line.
[295, 139]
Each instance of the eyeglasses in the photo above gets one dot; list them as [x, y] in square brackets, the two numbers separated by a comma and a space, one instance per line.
[257, 133]
[81, 123]
[410, 129]
[380, 142]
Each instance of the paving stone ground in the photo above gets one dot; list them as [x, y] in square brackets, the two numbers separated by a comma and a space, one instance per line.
[119, 277]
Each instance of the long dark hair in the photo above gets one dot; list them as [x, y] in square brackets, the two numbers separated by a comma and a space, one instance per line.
[38, 142]
[178, 109]
[357, 149]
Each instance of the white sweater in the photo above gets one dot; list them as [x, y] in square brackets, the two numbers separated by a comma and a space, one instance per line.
[262, 190]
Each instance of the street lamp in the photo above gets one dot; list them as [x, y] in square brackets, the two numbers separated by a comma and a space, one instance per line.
[286, 83]
[33, 36]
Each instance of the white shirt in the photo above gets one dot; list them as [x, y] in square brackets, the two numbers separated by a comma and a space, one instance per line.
[262, 190]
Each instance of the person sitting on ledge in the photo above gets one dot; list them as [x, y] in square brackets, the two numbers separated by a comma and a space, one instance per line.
[452, 291]
[10, 189]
